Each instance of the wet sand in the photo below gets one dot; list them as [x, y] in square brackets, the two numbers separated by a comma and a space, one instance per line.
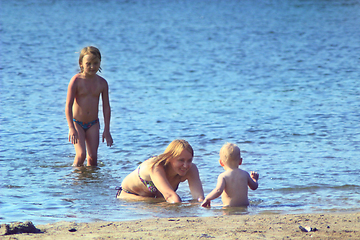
[326, 226]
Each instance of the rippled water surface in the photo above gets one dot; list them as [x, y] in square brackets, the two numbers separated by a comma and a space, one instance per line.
[278, 78]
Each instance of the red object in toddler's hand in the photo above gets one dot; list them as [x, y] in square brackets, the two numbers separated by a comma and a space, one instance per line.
[206, 203]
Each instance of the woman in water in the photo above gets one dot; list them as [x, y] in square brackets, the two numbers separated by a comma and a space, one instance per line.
[160, 176]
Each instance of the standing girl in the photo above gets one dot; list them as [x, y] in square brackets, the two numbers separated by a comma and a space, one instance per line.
[82, 106]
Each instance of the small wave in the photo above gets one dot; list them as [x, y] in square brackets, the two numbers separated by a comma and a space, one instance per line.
[297, 189]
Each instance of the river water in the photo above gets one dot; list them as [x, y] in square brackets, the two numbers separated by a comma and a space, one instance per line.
[278, 78]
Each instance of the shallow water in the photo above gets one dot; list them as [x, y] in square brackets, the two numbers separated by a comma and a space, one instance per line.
[278, 78]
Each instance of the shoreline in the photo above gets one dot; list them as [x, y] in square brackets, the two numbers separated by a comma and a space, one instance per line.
[337, 225]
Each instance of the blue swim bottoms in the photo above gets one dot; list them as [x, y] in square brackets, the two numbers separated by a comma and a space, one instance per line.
[88, 125]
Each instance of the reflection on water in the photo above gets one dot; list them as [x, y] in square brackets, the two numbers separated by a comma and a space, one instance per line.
[232, 210]
[86, 174]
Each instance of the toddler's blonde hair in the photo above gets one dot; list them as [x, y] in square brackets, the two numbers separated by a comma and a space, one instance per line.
[230, 152]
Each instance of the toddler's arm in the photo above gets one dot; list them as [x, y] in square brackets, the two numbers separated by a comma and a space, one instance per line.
[253, 180]
[216, 192]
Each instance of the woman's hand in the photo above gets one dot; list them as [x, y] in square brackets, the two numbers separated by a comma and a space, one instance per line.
[158, 177]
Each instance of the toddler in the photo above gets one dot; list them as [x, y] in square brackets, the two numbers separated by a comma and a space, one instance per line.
[232, 184]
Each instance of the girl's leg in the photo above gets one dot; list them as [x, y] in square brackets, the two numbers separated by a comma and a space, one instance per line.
[92, 144]
[80, 148]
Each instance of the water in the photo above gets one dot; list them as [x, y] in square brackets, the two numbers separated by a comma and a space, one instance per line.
[279, 78]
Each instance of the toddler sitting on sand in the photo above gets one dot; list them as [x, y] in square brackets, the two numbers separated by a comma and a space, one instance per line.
[232, 184]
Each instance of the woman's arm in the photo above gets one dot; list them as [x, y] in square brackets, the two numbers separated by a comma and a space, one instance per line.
[158, 177]
[195, 185]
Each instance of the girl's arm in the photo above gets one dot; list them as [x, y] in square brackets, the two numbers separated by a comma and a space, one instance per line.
[195, 185]
[107, 115]
[73, 135]
[158, 177]
[216, 192]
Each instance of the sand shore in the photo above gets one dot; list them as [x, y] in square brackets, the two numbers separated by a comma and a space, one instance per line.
[328, 226]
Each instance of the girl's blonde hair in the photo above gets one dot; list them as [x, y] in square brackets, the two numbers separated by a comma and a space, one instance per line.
[89, 50]
[174, 149]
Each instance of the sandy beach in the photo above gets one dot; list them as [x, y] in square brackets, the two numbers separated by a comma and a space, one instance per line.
[324, 226]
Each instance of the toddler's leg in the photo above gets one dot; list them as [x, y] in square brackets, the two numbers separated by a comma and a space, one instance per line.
[92, 144]
[80, 147]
